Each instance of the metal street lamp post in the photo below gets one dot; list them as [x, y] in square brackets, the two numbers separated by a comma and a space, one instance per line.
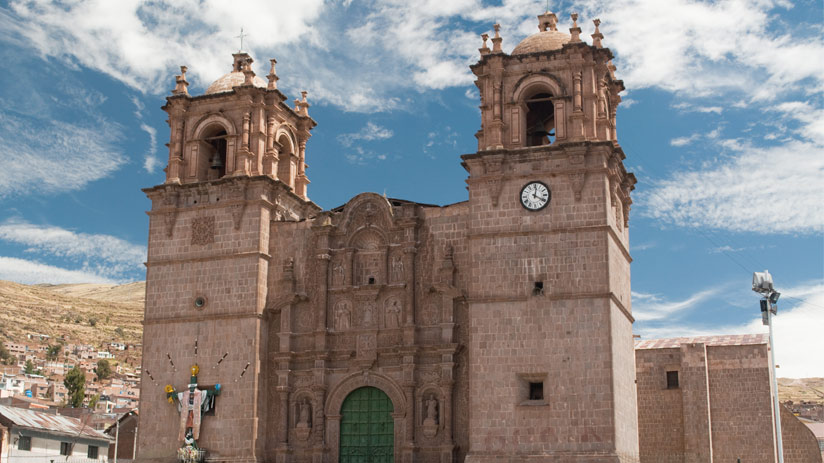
[762, 283]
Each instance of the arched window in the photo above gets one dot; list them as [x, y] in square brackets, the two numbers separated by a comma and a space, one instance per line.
[540, 120]
[286, 163]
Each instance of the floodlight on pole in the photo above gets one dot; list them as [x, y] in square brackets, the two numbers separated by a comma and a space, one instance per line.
[762, 283]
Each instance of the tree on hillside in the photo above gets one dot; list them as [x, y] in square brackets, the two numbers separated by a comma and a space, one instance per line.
[75, 383]
[29, 370]
[93, 401]
[4, 353]
[52, 352]
[103, 370]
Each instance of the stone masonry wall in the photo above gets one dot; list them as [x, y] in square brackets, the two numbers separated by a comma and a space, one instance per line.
[660, 410]
[741, 403]
[800, 444]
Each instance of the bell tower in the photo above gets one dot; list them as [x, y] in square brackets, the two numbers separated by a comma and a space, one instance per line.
[551, 359]
[236, 171]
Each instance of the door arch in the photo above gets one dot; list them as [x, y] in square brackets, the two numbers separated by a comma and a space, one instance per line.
[367, 431]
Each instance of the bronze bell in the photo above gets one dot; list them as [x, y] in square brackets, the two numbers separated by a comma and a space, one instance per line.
[216, 163]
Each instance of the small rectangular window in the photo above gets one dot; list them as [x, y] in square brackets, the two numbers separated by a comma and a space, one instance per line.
[24, 443]
[536, 391]
[672, 380]
[92, 453]
[65, 448]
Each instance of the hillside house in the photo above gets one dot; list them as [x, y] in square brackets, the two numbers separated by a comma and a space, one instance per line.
[37, 437]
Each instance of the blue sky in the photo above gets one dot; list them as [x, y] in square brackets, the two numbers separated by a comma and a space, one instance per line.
[722, 123]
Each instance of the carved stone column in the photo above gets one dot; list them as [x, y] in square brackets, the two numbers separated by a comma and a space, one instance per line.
[270, 158]
[577, 107]
[321, 309]
[301, 181]
[409, 295]
[243, 155]
[175, 152]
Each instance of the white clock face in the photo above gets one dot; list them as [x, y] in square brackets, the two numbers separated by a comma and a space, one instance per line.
[535, 196]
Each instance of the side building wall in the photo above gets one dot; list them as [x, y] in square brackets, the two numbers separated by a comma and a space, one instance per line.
[720, 411]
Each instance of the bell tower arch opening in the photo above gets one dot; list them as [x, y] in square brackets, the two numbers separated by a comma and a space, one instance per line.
[287, 166]
[212, 165]
[540, 119]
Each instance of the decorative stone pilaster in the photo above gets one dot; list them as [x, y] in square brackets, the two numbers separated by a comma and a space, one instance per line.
[409, 295]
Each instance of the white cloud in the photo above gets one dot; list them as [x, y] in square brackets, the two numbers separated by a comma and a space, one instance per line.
[699, 49]
[644, 246]
[650, 307]
[683, 141]
[362, 58]
[53, 156]
[811, 120]
[30, 272]
[762, 189]
[362, 156]
[103, 255]
[138, 42]
[370, 132]
[797, 330]
[150, 159]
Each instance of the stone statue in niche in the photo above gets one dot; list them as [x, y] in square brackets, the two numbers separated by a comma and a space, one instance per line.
[305, 414]
[392, 317]
[368, 314]
[304, 422]
[338, 274]
[397, 269]
[430, 422]
[343, 316]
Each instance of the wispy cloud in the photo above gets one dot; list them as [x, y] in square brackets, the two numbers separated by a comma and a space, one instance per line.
[55, 156]
[369, 132]
[695, 48]
[364, 58]
[31, 272]
[683, 141]
[762, 189]
[106, 256]
[150, 159]
[797, 329]
[649, 307]
[362, 156]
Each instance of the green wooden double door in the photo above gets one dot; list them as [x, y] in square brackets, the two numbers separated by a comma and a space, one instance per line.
[366, 427]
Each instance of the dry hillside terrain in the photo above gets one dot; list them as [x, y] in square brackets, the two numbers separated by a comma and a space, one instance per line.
[798, 390]
[87, 314]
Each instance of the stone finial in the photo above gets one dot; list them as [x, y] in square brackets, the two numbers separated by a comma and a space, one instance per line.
[304, 104]
[597, 36]
[575, 31]
[181, 85]
[547, 21]
[496, 41]
[273, 77]
[248, 73]
[484, 49]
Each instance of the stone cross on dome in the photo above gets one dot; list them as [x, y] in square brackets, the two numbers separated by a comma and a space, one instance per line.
[241, 37]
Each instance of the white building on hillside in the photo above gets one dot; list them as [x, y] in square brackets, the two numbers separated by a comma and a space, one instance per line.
[28, 436]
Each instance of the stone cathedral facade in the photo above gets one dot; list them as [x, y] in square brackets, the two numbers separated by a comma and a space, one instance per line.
[490, 330]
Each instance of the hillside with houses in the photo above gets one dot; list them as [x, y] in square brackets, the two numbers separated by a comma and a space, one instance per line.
[47, 330]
